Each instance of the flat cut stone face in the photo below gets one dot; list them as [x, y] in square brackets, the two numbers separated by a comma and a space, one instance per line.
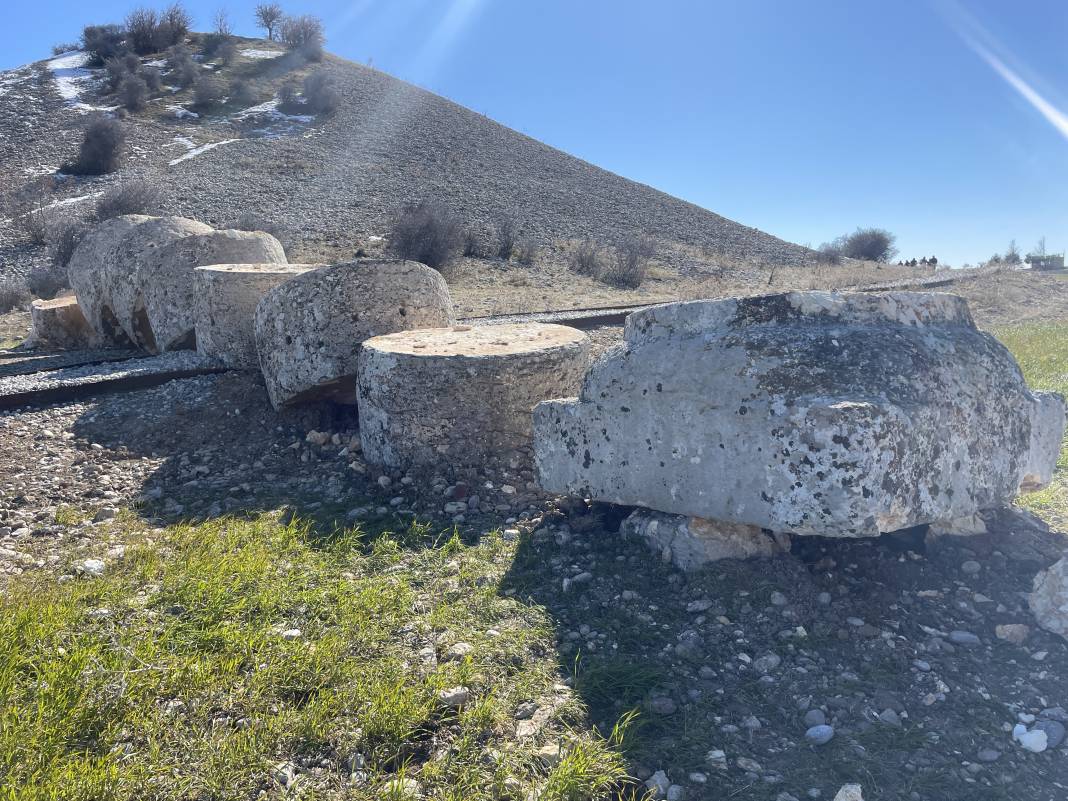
[811, 412]
[462, 395]
[309, 329]
[226, 300]
[60, 323]
[165, 279]
[1049, 600]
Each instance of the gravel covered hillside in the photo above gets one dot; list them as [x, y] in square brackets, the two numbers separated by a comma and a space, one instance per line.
[338, 180]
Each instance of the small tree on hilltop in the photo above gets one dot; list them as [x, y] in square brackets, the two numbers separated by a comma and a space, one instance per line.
[142, 28]
[1012, 255]
[222, 23]
[268, 15]
[304, 35]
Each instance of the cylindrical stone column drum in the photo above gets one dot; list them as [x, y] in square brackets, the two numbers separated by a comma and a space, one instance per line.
[226, 298]
[460, 395]
[60, 323]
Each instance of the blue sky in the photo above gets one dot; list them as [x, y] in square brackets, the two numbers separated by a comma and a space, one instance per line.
[945, 121]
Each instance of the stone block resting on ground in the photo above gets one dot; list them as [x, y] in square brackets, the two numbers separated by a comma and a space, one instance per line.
[845, 415]
[462, 395]
[60, 323]
[226, 298]
[309, 329]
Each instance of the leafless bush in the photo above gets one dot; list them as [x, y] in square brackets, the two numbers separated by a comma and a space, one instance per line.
[221, 20]
[142, 26]
[152, 78]
[268, 15]
[427, 232]
[320, 94]
[526, 251]
[242, 93]
[30, 209]
[64, 234]
[304, 35]
[472, 245]
[115, 70]
[227, 52]
[47, 281]
[829, 253]
[13, 295]
[102, 42]
[101, 150]
[60, 48]
[586, 259]
[185, 70]
[208, 93]
[507, 230]
[129, 197]
[133, 93]
[869, 244]
[630, 260]
[254, 222]
[174, 25]
[289, 96]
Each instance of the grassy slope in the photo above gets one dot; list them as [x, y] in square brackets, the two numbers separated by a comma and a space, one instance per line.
[184, 687]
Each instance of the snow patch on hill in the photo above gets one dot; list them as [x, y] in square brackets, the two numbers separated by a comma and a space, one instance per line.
[72, 78]
[193, 150]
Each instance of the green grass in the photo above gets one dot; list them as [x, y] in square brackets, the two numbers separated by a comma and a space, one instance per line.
[1042, 351]
[185, 687]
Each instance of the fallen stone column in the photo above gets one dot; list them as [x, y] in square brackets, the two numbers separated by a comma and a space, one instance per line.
[461, 395]
[226, 298]
[842, 415]
[165, 280]
[309, 329]
[92, 260]
[61, 324]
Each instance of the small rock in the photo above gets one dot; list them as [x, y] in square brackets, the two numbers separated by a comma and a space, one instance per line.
[778, 599]
[661, 705]
[457, 652]
[1054, 730]
[971, 567]
[716, 759]
[849, 792]
[890, 717]
[767, 663]
[815, 717]
[1034, 741]
[1016, 633]
[549, 754]
[658, 785]
[988, 755]
[285, 773]
[398, 789]
[966, 638]
[454, 697]
[749, 765]
[291, 634]
[820, 735]
[94, 568]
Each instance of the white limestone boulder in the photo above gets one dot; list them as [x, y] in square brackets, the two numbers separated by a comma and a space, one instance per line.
[92, 260]
[226, 300]
[60, 323]
[816, 413]
[309, 329]
[462, 395]
[1049, 598]
[165, 279]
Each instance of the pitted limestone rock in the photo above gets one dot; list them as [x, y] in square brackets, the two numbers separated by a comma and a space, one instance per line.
[91, 262]
[226, 298]
[133, 268]
[60, 323]
[691, 542]
[309, 329]
[460, 395]
[165, 279]
[811, 412]
[1049, 598]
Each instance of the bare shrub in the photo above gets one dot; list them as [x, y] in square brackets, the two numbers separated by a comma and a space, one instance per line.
[268, 15]
[47, 281]
[177, 56]
[630, 260]
[152, 78]
[254, 222]
[142, 26]
[30, 209]
[208, 93]
[101, 150]
[221, 21]
[304, 35]
[829, 253]
[506, 229]
[102, 42]
[869, 244]
[320, 94]
[427, 232]
[13, 295]
[242, 93]
[64, 234]
[472, 245]
[174, 25]
[115, 70]
[59, 48]
[526, 251]
[289, 96]
[129, 197]
[586, 259]
[133, 93]
[227, 52]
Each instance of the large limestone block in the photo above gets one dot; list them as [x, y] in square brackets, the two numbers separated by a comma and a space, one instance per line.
[461, 395]
[165, 279]
[136, 265]
[309, 329]
[60, 323]
[226, 299]
[91, 262]
[1049, 600]
[810, 412]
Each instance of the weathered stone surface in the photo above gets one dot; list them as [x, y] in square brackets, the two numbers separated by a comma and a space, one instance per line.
[458, 395]
[135, 265]
[309, 329]
[92, 260]
[809, 412]
[165, 279]
[226, 300]
[1049, 598]
[690, 542]
[60, 323]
